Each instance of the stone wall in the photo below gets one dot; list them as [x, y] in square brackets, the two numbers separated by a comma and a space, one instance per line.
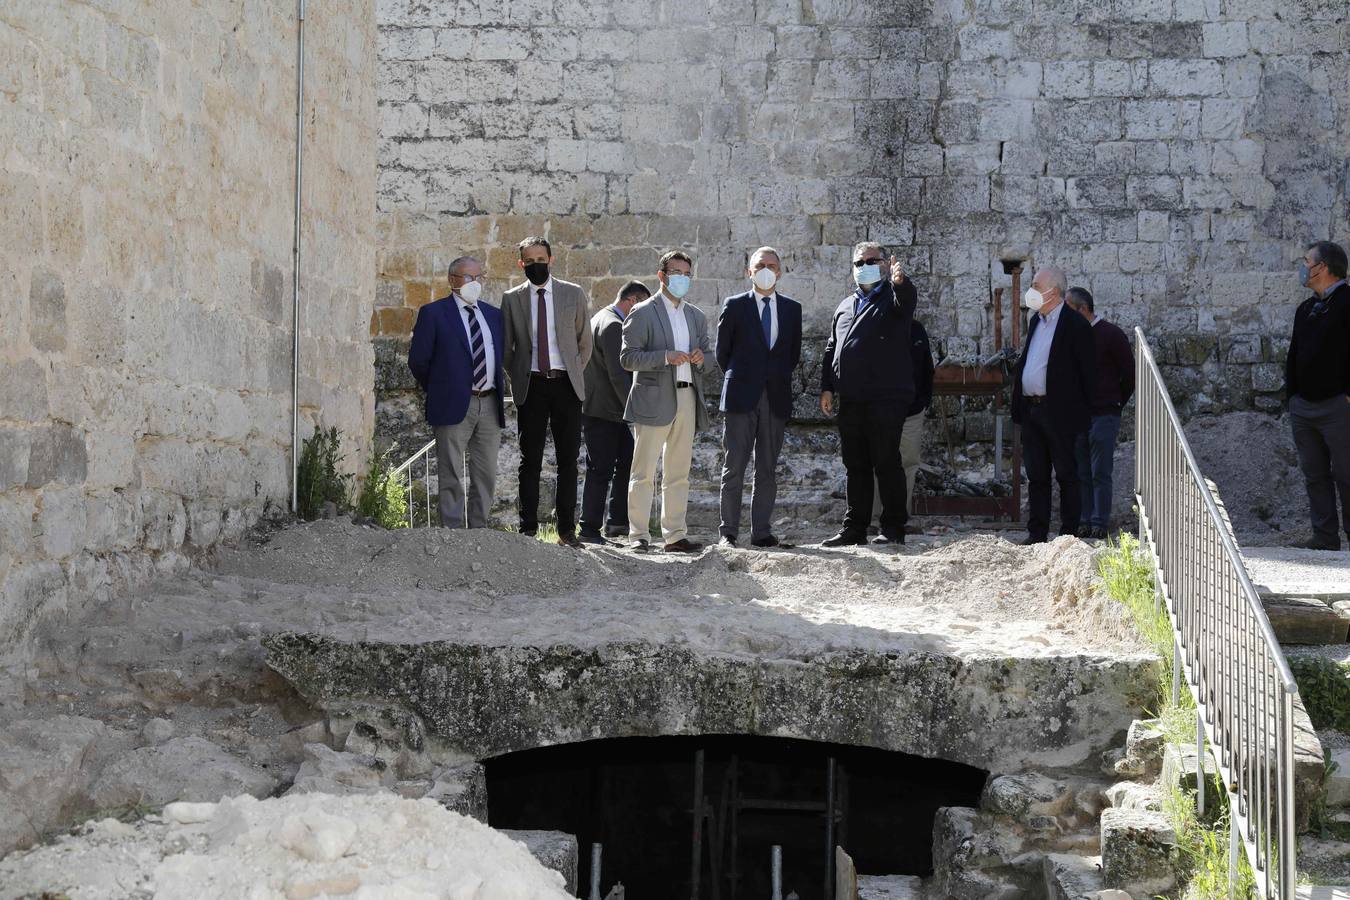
[1172, 155]
[146, 178]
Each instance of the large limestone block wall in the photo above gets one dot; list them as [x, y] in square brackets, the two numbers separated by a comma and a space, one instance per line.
[146, 182]
[1172, 155]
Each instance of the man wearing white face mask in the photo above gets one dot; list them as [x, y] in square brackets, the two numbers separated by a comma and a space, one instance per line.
[1053, 383]
[456, 356]
[759, 343]
[664, 341]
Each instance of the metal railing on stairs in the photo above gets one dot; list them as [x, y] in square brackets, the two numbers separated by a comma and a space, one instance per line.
[404, 470]
[1225, 648]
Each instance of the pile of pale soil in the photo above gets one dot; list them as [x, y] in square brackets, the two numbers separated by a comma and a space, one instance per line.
[296, 847]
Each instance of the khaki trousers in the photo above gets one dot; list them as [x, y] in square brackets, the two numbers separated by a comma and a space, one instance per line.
[673, 445]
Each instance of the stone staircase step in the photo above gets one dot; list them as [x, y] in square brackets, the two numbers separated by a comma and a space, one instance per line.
[1072, 877]
[1305, 620]
[1283, 572]
[1322, 892]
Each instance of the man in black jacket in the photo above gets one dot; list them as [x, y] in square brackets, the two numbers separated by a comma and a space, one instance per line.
[1317, 381]
[609, 441]
[867, 363]
[1053, 383]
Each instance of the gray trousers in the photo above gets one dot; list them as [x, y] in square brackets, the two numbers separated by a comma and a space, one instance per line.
[760, 431]
[472, 443]
[1322, 437]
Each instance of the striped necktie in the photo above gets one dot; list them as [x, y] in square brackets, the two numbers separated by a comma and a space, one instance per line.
[476, 345]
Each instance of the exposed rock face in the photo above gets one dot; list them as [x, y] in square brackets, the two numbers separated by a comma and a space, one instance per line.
[180, 769]
[42, 774]
[1004, 714]
[1139, 850]
[554, 850]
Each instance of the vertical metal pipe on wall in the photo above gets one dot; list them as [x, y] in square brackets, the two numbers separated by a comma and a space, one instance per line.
[295, 262]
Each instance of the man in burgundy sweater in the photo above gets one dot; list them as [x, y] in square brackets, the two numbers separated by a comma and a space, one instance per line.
[1096, 447]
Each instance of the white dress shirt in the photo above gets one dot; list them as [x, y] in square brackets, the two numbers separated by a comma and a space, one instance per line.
[555, 360]
[773, 314]
[489, 354]
[1038, 354]
[679, 328]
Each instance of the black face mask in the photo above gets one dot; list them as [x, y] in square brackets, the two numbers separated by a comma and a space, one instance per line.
[537, 272]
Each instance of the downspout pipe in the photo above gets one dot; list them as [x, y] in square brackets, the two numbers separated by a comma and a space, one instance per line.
[295, 263]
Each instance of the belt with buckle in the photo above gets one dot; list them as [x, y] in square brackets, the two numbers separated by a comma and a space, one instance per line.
[1035, 400]
[684, 384]
[551, 373]
[484, 392]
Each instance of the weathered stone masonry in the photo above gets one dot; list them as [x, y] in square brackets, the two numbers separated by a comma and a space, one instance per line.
[146, 182]
[1172, 155]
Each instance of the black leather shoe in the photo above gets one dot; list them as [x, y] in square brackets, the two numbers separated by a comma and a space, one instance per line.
[616, 531]
[727, 541]
[592, 537]
[1097, 534]
[845, 539]
[569, 540]
[1032, 539]
[769, 541]
[892, 538]
[1083, 532]
[641, 545]
[1321, 543]
[683, 545]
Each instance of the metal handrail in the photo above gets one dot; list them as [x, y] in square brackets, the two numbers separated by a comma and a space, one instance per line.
[406, 467]
[1225, 647]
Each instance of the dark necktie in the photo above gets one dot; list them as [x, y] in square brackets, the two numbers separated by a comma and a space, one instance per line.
[766, 319]
[477, 348]
[541, 335]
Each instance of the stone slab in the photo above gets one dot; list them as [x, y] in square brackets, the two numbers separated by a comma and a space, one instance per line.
[1072, 877]
[1293, 572]
[1138, 851]
[1305, 620]
[890, 887]
[1338, 782]
[1322, 892]
[555, 850]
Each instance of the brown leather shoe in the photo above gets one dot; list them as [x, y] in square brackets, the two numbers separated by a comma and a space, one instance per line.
[569, 540]
[683, 545]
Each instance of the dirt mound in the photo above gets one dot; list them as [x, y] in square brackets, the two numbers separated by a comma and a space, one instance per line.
[308, 845]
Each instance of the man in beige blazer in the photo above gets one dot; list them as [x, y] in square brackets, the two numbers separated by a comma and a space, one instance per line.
[664, 342]
[548, 342]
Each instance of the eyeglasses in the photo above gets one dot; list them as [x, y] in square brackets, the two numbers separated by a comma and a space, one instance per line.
[859, 263]
[467, 277]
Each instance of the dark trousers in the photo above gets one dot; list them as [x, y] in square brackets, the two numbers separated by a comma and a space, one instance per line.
[551, 405]
[1047, 445]
[869, 437]
[1095, 453]
[1322, 437]
[609, 459]
[760, 432]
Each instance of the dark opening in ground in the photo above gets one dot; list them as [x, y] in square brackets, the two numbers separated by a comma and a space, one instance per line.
[636, 796]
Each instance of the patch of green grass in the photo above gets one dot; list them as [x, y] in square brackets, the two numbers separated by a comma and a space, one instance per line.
[319, 477]
[1202, 842]
[383, 497]
[1324, 685]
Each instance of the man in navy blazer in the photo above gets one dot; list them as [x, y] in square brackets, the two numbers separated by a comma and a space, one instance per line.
[759, 343]
[456, 356]
[1053, 383]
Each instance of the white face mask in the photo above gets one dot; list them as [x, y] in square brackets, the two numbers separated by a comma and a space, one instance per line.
[1033, 299]
[470, 291]
[764, 279]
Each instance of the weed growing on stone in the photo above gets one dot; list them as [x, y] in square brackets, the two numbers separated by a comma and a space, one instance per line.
[319, 478]
[1202, 842]
[383, 497]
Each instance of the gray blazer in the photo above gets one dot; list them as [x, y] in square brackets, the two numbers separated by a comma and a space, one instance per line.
[646, 338]
[571, 318]
[607, 381]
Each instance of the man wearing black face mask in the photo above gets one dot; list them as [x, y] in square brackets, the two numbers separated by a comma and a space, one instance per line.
[1317, 382]
[548, 343]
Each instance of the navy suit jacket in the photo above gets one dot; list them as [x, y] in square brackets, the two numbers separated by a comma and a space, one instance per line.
[1070, 374]
[750, 367]
[442, 363]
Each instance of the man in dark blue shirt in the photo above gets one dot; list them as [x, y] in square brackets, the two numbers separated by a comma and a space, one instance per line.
[1317, 381]
[867, 365]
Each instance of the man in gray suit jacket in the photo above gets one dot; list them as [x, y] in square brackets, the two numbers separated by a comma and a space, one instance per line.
[548, 343]
[664, 341]
[609, 442]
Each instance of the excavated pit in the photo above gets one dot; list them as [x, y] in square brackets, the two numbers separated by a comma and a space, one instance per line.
[340, 658]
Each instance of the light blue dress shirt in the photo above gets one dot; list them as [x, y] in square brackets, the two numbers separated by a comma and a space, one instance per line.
[1038, 354]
